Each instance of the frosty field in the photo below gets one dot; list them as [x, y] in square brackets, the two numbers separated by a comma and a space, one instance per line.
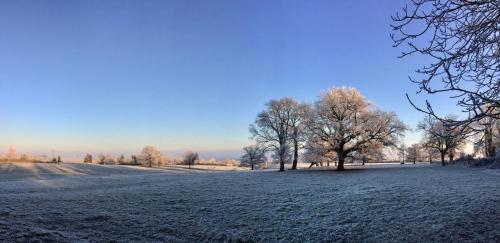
[377, 203]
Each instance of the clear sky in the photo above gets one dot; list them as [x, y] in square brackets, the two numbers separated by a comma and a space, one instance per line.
[113, 76]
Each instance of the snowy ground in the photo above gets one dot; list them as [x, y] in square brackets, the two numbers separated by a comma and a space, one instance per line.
[378, 203]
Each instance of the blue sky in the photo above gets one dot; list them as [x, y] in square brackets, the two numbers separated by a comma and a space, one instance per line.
[113, 76]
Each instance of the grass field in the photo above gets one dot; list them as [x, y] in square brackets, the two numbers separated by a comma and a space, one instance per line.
[376, 203]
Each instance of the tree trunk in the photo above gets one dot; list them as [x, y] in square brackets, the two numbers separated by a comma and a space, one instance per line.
[282, 155]
[451, 158]
[488, 143]
[295, 153]
[340, 166]
[363, 161]
[282, 165]
[403, 162]
[442, 159]
[252, 166]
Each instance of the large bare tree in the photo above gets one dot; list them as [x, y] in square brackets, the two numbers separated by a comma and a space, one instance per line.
[345, 122]
[300, 112]
[272, 127]
[442, 136]
[461, 38]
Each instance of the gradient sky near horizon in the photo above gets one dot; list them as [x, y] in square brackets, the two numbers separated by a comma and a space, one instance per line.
[113, 76]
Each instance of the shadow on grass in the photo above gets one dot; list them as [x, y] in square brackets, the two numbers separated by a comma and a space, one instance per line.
[329, 170]
[194, 169]
[354, 168]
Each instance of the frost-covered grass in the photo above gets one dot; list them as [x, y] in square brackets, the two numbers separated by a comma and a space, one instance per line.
[378, 203]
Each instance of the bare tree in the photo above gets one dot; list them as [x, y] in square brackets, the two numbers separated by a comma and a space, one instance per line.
[190, 158]
[300, 112]
[253, 155]
[109, 159]
[134, 159]
[87, 159]
[442, 137]
[121, 159]
[413, 152]
[315, 152]
[430, 152]
[345, 122]
[370, 152]
[462, 40]
[101, 159]
[272, 127]
[149, 156]
[298, 119]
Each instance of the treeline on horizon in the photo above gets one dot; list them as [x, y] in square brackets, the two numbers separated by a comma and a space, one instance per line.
[340, 127]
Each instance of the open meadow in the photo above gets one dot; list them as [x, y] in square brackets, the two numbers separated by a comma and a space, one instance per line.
[377, 203]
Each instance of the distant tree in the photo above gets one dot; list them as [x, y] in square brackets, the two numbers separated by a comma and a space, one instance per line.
[135, 160]
[121, 159]
[11, 153]
[461, 40]
[370, 152]
[210, 161]
[59, 159]
[150, 155]
[24, 158]
[431, 153]
[166, 160]
[190, 158]
[315, 152]
[413, 152]
[442, 137]
[272, 127]
[253, 155]
[87, 159]
[101, 159]
[109, 160]
[229, 162]
[345, 122]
